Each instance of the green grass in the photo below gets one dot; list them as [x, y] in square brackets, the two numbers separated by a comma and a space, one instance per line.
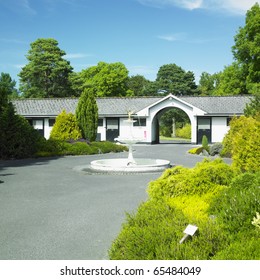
[173, 138]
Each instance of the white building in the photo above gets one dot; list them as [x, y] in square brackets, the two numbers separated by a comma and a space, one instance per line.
[209, 115]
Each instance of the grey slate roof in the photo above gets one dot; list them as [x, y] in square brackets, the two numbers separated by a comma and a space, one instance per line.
[214, 105]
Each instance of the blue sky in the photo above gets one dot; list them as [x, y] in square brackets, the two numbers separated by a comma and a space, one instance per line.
[143, 34]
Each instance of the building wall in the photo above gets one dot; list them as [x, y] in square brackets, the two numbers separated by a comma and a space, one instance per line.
[219, 128]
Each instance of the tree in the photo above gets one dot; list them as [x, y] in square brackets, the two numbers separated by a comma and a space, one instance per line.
[107, 79]
[138, 85]
[207, 83]
[7, 86]
[253, 108]
[232, 81]
[247, 48]
[87, 114]
[47, 73]
[173, 79]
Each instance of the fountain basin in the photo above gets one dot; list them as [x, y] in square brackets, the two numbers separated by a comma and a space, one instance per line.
[123, 165]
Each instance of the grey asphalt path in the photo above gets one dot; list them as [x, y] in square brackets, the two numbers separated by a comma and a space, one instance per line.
[48, 210]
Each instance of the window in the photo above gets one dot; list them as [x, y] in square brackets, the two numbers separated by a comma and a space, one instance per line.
[228, 121]
[38, 124]
[139, 122]
[100, 122]
[51, 122]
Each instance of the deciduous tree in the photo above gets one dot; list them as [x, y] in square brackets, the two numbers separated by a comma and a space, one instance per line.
[247, 48]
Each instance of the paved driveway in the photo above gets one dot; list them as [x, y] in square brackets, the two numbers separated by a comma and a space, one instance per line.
[50, 211]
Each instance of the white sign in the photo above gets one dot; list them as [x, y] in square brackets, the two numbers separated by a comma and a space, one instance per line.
[190, 230]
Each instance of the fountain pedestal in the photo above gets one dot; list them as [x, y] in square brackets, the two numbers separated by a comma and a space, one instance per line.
[130, 164]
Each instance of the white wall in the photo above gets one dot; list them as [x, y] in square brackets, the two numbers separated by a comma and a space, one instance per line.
[219, 128]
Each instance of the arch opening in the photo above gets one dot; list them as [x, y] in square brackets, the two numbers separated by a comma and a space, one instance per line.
[171, 125]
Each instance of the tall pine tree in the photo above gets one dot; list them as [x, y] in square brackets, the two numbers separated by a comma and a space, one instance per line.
[87, 114]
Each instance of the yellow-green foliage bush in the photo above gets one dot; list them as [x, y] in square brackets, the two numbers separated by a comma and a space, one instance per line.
[65, 127]
[184, 132]
[154, 232]
[196, 151]
[242, 143]
[205, 176]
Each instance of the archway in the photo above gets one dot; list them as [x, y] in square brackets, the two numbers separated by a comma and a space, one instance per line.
[165, 104]
[171, 125]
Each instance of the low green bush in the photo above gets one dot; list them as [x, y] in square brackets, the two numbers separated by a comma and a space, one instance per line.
[184, 132]
[238, 204]
[243, 246]
[108, 147]
[154, 232]
[205, 176]
[196, 151]
[52, 147]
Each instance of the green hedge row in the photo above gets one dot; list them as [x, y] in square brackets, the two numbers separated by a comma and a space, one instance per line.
[53, 147]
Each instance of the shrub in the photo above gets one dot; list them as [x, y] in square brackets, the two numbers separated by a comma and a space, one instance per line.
[245, 246]
[65, 127]
[205, 176]
[196, 151]
[205, 143]
[18, 139]
[108, 147]
[184, 132]
[215, 149]
[52, 147]
[238, 204]
[154, 232]
[242, 143]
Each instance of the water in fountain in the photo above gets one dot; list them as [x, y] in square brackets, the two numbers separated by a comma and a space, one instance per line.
[130, 164]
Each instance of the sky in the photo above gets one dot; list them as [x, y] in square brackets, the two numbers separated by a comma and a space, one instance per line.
[144, 35]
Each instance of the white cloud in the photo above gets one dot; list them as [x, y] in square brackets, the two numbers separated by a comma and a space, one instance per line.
[173, 37]
[186, 4]
[230, 6]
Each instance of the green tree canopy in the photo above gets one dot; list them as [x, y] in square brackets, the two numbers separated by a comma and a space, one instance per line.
[231, 81]
[107, 79]
[138, 85]
[208, 83]
[87, 114]
[247, 48]
[47, 73]
[173, 79]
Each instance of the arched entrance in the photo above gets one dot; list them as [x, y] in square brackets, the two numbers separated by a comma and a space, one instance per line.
[167, 125]
[170, 101]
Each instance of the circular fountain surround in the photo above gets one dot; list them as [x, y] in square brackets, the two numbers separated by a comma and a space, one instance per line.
[123, 165]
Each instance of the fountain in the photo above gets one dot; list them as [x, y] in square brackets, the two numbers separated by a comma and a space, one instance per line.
[130, 164]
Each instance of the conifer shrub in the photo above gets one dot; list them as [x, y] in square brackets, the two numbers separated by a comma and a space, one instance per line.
[18, 139]
[205, 143]
[205, 176]
[242, 143]
[65, 127]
